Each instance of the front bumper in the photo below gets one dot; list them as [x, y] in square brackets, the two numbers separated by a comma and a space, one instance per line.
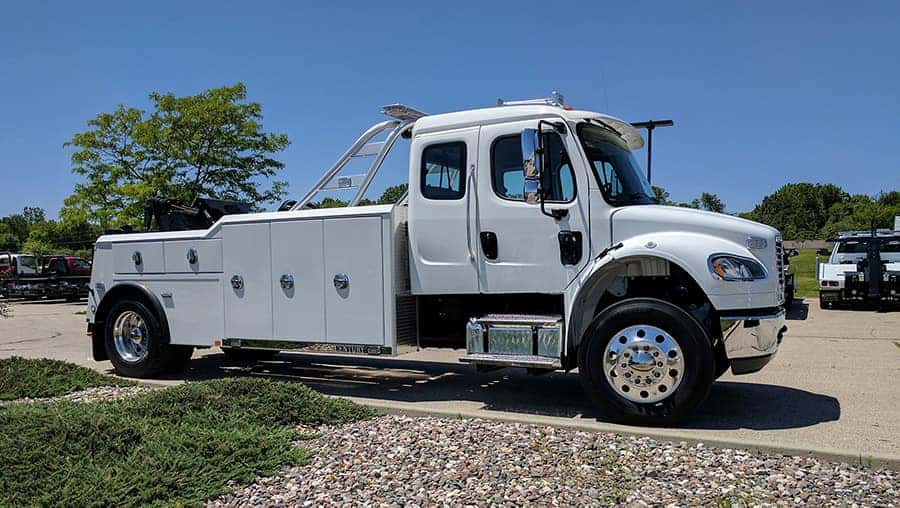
[752, 340]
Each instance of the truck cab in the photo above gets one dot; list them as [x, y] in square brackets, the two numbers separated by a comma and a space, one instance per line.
[529, 237]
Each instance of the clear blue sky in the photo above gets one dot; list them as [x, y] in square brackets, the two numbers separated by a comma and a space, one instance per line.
[762, 93]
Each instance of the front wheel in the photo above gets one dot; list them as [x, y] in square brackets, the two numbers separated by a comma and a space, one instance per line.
[647, 362]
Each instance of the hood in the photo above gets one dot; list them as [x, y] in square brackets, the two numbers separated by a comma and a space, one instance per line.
[635, 220]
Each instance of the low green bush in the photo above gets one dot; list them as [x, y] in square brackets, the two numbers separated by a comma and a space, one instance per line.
[173, 446]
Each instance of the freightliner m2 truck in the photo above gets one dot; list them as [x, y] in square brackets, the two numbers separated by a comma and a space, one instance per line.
[529, 235]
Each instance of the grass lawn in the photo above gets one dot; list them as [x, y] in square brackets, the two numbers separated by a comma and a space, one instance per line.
[804, 266]
[30, 377]
[166, 447]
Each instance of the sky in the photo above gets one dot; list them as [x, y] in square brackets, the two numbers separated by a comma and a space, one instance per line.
[762, 93]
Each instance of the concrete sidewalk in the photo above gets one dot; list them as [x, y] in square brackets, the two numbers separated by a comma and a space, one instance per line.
[831, 390]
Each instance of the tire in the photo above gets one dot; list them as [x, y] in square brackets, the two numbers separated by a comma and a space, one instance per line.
[788, 299]
[666, 406]
[241, 355]
[154, 356]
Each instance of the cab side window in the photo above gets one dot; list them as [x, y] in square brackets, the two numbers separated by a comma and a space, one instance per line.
[508, 175]
[444, 171]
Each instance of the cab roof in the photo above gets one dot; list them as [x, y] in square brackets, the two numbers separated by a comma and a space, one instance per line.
[513, 113]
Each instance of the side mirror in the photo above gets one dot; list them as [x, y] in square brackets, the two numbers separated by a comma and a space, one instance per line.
[823, 252]
[532, 163]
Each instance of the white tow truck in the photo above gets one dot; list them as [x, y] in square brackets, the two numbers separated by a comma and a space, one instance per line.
[529, 235]
[863, 266]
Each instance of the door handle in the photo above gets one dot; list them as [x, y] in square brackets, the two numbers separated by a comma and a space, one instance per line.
[569, 247]
[489, 244]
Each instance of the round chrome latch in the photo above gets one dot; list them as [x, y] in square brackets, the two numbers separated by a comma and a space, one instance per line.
[644, 363]
[192, 256]
[136, 257]
[341, 281]
[237, 282]
[287, 281]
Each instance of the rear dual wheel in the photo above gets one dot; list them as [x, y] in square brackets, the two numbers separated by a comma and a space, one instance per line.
[136, 343]
[646, 362]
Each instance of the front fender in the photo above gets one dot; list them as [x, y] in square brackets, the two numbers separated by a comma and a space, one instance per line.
[689, 251]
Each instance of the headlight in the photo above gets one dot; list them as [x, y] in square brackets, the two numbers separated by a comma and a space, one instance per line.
[728, 267]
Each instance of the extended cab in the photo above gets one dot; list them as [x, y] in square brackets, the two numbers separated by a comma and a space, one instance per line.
[529, 235]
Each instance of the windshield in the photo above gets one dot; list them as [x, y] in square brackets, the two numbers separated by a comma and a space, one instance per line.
[852, 251]
[620, 177]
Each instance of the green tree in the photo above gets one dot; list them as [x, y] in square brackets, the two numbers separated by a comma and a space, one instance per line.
[662, 195]
[211, 144]
[41, 239]
[392, 194]
[8, 240]
[799, 210]
[711, 202]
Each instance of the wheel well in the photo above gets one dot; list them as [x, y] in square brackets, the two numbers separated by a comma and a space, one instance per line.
[118, 293]
[636, 278]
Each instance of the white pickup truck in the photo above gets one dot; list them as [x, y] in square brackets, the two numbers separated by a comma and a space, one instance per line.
[529, 236]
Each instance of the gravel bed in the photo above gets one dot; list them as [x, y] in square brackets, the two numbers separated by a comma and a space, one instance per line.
[400, 461]
[90, 394]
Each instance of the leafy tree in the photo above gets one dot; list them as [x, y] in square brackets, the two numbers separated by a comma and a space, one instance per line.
[662, 196]
[33, 214]
[210, 144]
[818, 211]
[41, 239]
[711, 202]
[8, 240]
[17, 226]
[392, 194]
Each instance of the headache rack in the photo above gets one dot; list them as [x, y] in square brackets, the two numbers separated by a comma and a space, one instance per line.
[403, 119]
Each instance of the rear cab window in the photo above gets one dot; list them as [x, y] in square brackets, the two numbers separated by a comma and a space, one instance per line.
[443, 171]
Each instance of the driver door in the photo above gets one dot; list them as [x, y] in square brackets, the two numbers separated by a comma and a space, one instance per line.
[520, 249]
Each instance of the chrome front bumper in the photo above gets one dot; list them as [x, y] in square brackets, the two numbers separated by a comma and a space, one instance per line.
[752, 341]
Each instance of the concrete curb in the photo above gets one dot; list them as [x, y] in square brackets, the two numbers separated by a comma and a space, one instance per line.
[670, 435]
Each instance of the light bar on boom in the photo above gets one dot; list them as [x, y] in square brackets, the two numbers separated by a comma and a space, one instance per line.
[402, 112]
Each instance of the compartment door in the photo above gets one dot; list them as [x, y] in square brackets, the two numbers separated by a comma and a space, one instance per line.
[248, 309]
[353, 254]
[297, 256]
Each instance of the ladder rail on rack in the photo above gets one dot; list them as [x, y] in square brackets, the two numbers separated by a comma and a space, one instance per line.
[404, 117]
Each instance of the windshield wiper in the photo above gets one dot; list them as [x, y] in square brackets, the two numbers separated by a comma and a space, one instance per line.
[606, 126]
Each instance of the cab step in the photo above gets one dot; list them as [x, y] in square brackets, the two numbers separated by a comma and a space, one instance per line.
[527, 361]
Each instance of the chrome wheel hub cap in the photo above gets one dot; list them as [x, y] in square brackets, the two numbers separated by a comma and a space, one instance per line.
[644, 363]
[130, 337]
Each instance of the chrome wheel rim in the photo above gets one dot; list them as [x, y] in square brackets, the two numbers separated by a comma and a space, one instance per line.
[644, 364]
[130, 336]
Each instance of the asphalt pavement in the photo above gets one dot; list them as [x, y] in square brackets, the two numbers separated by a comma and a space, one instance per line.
[832, 389]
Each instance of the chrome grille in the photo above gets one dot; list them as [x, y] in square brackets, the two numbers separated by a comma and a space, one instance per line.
[779, 267]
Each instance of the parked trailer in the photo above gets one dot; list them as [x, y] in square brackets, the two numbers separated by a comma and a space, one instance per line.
[529, 234]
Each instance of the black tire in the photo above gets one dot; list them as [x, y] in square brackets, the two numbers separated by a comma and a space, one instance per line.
[699, 362]
[823, 304]
[161, 358]
[241, 355]
[788, 299]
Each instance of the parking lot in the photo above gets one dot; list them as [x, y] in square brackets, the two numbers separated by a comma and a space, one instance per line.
[831, 390]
